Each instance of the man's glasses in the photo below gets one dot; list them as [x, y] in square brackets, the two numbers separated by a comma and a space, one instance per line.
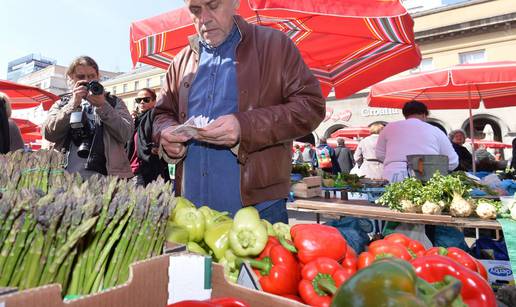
[143, 100]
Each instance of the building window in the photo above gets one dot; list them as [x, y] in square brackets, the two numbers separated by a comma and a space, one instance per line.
[136, 85]
[471, 57]
[124, 88]
[425, 65]
[114, 90]
[161, 79]
[148, 82]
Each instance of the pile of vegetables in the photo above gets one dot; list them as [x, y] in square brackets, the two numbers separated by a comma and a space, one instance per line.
[440, 194]
[208, 232]
[315, 266]
[55, 228]
[340, 180]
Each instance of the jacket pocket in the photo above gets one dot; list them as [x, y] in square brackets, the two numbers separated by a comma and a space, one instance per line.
[268, 167]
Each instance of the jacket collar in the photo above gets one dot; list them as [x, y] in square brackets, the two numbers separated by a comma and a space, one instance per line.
[243, 27]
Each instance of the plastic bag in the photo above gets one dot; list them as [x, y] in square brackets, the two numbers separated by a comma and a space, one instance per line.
[415, 232]
[354, 230]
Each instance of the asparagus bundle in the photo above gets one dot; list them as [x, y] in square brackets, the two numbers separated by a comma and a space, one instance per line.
[55, 228]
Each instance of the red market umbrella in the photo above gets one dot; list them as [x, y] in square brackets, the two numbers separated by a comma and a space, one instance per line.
[25, 96]
[490, 144]
[457, 87]
[350, 132]
[348, 44]
[349, 143]
[25, 125]
[30, 137]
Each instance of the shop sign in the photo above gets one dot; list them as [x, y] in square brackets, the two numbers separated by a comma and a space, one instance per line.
[367, 112]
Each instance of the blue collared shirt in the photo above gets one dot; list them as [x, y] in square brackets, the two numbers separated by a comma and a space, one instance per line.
[212, 173]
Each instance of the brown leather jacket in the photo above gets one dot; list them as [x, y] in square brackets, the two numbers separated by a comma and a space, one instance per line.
[279, 100]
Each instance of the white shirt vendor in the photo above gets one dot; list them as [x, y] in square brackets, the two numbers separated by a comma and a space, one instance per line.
[411, 137]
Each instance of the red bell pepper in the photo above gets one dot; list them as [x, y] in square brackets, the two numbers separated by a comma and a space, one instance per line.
[314, 240]
[350, 261]
[459, 256]
[294, 298]
[215, 302]
[475, 291]
[414, 246]
[320, 279]
[278, 270]
[381, 249]
[481, 269]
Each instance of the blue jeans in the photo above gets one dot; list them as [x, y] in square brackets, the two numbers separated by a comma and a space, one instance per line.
[273, 211]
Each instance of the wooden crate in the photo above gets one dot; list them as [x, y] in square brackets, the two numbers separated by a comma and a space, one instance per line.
[308, 188]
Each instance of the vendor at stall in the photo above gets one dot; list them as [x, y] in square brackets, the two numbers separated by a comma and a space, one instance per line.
[412, 136]
[254, 84]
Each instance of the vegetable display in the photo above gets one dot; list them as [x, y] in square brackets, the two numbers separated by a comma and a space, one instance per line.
[55, 228]
[441, 194]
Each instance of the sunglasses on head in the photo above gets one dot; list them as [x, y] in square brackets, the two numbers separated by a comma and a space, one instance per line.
[144, 99]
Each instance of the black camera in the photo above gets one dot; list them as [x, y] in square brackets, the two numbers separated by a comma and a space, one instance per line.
[82, 132]
[94, 87]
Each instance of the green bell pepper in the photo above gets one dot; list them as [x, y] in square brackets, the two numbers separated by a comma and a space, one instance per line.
[231, 266]
[392, 282]
[270, 229]
[248, 236]
[217, 237]
[193, 220]
[213, 217]
[196, 248]
[181, 203]
[176, 233]
[282, 230]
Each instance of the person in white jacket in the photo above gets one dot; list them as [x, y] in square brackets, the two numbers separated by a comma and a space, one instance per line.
[412, 136]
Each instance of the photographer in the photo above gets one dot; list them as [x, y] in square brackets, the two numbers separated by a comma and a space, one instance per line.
[89, 124]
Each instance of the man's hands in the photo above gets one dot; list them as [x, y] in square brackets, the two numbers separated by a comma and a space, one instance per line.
[172, 143]
[80, 92]
[224, 131]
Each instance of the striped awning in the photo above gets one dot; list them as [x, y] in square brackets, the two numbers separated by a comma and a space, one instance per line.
[348, 44]
[25, 96]
[457, 87]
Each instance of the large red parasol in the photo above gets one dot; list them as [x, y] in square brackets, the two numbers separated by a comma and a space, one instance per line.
[490, 143]
[348, 44]
[25, 96]
[351, 132]
[456, 87]
[25, 125]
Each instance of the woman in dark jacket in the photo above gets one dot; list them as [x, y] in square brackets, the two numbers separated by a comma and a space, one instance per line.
[10, 136]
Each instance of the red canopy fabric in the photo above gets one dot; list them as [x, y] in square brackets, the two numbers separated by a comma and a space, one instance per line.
[349, 143]
[25, 125]
[350, 132]
[30, 137]
[25, 96]
[452, 88]
[348, 44]
[490, 143]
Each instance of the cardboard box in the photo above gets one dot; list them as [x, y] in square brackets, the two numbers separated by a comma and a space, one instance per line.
[147, 287]
[499, 273]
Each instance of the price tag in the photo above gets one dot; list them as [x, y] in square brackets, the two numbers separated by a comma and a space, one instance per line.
[189, 278]
[248, 278]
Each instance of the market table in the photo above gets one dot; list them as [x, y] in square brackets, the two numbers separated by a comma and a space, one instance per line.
[365, 209]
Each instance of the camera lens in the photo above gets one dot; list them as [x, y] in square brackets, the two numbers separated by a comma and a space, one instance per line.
[96, 88]
[84, 149]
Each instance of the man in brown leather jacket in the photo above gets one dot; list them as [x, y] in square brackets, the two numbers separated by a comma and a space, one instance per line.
[253, 83]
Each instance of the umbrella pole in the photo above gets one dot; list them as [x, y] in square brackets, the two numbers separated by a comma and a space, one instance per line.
[472, 133]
